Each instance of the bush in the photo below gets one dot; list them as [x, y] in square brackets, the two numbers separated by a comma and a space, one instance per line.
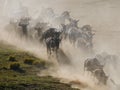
[4, 68]
[15, 66]
[12, 58]
[29, 61]
[40, 64]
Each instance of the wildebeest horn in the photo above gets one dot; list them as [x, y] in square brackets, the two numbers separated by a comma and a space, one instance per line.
[77, 20]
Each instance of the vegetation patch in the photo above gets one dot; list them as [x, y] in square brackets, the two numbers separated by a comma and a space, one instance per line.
[15, 66]
[12, 59]
[40, 64]
[29, 61]
[18, 71]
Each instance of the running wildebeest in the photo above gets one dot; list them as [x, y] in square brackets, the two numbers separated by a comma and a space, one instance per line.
[39, 28]
[49, 33]
[24, 22]
[61, 19]
[52, 44]
[92, 64]
[87, 35]
[100, 75]
[71, 30]
[52, 40]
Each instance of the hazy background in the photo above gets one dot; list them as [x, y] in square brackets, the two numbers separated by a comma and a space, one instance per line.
[103, 15]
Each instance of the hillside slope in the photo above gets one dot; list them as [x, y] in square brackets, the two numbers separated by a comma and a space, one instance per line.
[18, 71]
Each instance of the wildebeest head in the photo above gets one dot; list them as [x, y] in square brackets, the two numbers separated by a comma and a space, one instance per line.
[86, 28]
[49, 33]
[24, 21]
[92, 64]
[66, 14]
[74, 23]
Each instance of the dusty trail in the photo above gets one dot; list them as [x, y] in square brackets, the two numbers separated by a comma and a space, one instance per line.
[63, 59]
[69, 65]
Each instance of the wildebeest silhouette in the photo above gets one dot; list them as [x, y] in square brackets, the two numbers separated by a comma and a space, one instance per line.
[40, 27]
[100, 75]
[92, 64]
[49, 33]
[52, 44]
[52, 40]
[24, 22]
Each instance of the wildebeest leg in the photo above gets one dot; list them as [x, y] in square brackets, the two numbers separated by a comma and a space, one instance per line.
[56, 54]
[50, 51]
[84, 70]
[47, 50]
[86, 73]
[94, 78]
[24, 31]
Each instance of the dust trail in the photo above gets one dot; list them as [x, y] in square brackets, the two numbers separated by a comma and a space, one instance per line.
[73, 73]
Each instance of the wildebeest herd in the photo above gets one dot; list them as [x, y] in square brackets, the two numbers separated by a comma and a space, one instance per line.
[50, 36]
[44, 32]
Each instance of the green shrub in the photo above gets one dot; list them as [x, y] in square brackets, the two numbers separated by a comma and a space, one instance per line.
[4, 68]
[40, 64]
[15, 66]
[12, 58]
[29, 61]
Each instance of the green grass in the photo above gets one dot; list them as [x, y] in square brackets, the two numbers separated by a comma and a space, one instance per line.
[26, 78]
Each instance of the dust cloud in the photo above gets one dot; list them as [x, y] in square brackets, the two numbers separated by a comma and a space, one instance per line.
[103, 15]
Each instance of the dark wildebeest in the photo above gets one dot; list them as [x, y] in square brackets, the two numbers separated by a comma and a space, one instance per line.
[52, 44]
[51, 32]
[100, 75]
[52, 40]
[24, 22]
[47, 34]
[92, 64]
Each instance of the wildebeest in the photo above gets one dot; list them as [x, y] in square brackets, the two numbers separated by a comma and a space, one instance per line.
[70, 31]
[92, 64]
[52, 40]
[40, 28]
[61, 19]
[52, 44]
[100, 75]
[49, 33]
[24, 22]
[80, 37]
